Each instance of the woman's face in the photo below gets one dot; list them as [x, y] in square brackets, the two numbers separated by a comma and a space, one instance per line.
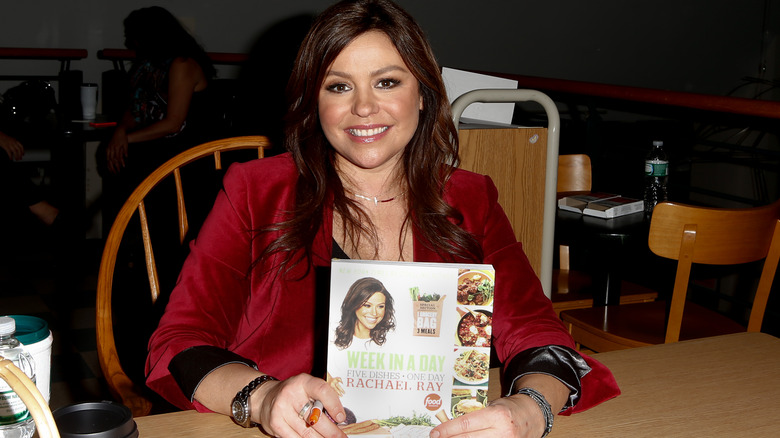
[370, 314]
[369, 104]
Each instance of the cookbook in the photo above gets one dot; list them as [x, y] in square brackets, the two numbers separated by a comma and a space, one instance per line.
[408, 343]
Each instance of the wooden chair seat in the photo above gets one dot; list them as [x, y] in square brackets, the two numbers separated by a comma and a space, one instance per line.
[640, 324]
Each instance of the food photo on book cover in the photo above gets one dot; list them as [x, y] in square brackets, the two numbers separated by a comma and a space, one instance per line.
[408, 343]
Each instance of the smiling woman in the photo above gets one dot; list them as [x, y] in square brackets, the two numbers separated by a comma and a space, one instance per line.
[371, 173]
[369, 109]
[366, 313]
[369, 106]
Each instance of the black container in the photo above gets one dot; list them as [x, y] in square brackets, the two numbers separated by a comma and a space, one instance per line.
[103, 419]
[70, 93]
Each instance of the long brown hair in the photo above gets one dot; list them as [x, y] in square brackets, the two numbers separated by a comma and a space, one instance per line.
[428, 159]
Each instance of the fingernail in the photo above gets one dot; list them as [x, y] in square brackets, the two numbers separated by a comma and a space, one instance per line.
[434, 434]
[341, 417]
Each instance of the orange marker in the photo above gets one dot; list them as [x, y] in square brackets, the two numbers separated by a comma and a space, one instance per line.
[316, 411]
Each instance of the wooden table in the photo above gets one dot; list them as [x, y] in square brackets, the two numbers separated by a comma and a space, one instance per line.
[191, 424]
[724, 386]
[716, 387]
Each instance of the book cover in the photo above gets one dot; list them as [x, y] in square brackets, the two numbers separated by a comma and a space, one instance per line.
[408, 343]
[578, 203]
[614, 207]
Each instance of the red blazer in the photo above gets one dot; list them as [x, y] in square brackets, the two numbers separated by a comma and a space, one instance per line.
[268, 319]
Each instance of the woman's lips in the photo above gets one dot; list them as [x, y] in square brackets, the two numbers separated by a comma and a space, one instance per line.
[371, 320]
[367, 134]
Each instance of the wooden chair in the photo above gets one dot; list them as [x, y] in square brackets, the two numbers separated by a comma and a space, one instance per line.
[574, 175]
[518, 159]
[120, 385]
[689, 235]
[569, 287]
[32, 398]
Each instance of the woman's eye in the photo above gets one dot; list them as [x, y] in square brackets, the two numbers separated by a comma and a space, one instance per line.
[338, 88]
[387, 83]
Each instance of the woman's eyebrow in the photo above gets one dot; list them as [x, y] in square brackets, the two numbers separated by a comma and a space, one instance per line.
[379, 72]
[388, 69]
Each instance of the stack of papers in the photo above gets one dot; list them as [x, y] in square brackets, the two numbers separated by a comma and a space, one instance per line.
[459, 82]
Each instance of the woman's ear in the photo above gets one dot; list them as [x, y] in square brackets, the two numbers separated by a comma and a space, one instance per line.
[421, 102]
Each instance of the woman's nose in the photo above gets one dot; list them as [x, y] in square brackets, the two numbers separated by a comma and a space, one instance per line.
[365, 104]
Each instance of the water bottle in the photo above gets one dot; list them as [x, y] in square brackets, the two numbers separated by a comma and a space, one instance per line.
[656, 176]
[15, 418]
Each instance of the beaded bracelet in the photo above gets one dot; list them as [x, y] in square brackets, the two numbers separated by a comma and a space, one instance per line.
[543, 405]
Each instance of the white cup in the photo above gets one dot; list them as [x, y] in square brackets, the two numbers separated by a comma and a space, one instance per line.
[89, 100]
[36, 337]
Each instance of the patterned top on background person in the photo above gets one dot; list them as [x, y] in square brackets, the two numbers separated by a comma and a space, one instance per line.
[149, 85]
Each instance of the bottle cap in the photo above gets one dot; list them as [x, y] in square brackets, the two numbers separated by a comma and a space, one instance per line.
[7, 325]
[658, 143]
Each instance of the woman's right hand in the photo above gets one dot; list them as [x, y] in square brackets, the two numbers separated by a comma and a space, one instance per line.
[279, 403]
[11, 146]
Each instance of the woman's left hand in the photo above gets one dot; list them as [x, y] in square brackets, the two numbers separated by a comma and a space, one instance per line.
[515, 416]
[116, 152]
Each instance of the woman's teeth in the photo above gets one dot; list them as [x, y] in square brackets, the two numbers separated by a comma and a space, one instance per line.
[367, 132]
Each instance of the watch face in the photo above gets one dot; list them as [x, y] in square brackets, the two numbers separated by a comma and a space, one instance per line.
[239, 412]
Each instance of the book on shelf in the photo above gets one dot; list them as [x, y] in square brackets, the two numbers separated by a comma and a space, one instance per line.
[408, 343]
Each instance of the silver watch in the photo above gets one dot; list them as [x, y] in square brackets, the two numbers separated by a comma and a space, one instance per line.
[240, 406]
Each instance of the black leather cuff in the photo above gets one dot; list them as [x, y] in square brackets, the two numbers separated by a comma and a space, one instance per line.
[189, 367]
[557, 361]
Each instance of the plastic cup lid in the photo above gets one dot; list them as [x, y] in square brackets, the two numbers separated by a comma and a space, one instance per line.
[30, 329]
[104, 419]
